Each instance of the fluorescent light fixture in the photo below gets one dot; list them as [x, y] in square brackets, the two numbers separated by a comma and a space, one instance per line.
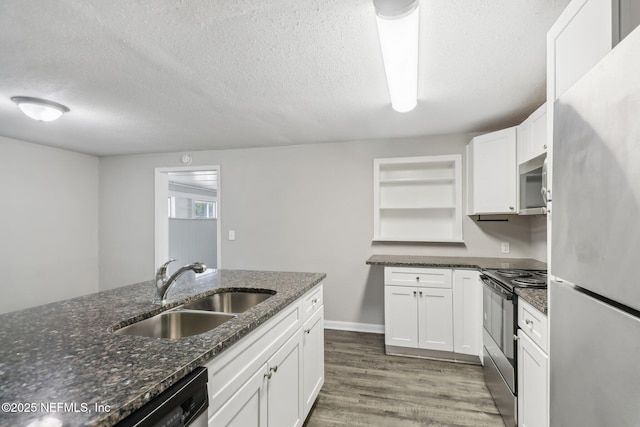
[40, 109]
[398, 24]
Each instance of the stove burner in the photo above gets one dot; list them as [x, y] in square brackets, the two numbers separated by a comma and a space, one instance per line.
[526, 281]
[513, 273]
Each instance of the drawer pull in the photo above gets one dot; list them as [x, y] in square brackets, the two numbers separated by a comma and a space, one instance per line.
[306, 331]
[271, 372]
[314, 301]
[529, 322]
[418, 279]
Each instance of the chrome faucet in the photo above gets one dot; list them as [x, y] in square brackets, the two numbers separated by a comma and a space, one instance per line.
[164, 283]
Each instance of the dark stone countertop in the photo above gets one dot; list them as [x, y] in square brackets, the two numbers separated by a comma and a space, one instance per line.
[455, 262]
[65, 352]
[535, 297]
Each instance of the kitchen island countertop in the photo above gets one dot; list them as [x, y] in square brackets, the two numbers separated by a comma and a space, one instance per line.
[62, 359]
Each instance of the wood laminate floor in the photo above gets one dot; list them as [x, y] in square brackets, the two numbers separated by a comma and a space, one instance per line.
[365, 387]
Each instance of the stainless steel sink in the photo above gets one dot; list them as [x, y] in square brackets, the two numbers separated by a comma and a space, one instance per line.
[176, 324]
[229, 302]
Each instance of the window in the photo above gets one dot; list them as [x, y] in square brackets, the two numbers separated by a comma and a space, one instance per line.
[204, 209]
[188, 208]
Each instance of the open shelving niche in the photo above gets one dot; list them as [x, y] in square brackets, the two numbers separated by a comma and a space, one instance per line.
[418, 199]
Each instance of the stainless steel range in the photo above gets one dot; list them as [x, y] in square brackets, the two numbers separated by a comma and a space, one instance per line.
[500, 324]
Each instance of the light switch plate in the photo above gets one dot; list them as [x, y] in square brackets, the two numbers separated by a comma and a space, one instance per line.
[232, 235]
[505, 247]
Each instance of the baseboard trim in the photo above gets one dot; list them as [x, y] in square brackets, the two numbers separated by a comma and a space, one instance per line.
[370, 328]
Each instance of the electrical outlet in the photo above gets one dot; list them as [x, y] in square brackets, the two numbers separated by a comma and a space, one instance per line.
[232, 235]
[505, 247]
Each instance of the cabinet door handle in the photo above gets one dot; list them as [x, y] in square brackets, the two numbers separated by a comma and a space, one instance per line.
[272, 370]
[415, 293]
[511, 208]
[516, 338]
[420, 293]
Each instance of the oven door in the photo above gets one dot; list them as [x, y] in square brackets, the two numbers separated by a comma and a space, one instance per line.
[499, 323]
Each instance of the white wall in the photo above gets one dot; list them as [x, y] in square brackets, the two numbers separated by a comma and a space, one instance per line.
[49, 227]
[296, 208]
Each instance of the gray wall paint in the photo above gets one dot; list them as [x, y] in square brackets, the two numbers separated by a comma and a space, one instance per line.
[539, 237]
[295, 208]
[49, 227]
[192, 240]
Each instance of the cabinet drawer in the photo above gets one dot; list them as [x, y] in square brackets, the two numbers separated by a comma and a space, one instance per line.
[411, 276]
[311, 302]
[533, 323]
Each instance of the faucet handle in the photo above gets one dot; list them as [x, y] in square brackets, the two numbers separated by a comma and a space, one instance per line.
[162, 271]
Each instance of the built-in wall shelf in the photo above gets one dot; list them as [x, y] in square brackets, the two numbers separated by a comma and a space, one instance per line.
[418, 199]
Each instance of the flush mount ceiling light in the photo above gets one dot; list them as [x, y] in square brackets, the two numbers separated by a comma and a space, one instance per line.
[398, 25]
[40, 109]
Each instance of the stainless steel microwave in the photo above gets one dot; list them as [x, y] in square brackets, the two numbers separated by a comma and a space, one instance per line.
[533, 186]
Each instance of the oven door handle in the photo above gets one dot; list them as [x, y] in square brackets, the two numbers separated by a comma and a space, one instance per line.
[496, 289]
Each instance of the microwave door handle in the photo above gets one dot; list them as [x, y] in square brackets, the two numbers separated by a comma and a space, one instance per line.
[543, 190]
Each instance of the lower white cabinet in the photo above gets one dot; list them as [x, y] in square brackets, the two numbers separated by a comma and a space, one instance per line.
[467, 312]
[272, 377]
[533, 407]
[313, 356]
[440, 312]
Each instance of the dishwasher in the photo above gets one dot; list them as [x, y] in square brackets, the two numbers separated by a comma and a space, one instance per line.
[183, 404]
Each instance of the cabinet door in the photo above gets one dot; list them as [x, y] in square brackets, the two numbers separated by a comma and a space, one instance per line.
[401, 316]
[532, 384]
[284, 385]
[247, 407]
[538, 132]
[494, 172]
[435, 319]
[467, 312]
[524, 141]
[313, 358]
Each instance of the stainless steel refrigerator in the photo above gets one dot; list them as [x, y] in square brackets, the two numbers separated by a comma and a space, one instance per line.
[594, 305]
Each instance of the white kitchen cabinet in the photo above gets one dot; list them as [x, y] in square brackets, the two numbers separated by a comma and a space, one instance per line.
[435, 319]
[532, 135]
[533, 361]
[284, 385]
[467, 312]
[583, 34]
[492, 173]
[417, 199]
[313, 356]
[401, 316]
[419, 316]
[260, 381]
[247, 407]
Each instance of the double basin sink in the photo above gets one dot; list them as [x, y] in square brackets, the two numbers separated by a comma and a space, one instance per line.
[198, 316]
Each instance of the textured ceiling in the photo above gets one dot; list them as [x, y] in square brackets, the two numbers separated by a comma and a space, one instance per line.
[167, 75]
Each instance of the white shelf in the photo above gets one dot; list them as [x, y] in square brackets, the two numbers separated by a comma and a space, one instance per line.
[417, 180]
[416, 207]
[418, 199]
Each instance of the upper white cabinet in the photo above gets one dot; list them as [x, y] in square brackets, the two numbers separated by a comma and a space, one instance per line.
[583, 34]
[492, 173]
[418, 199]
[532, 135]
